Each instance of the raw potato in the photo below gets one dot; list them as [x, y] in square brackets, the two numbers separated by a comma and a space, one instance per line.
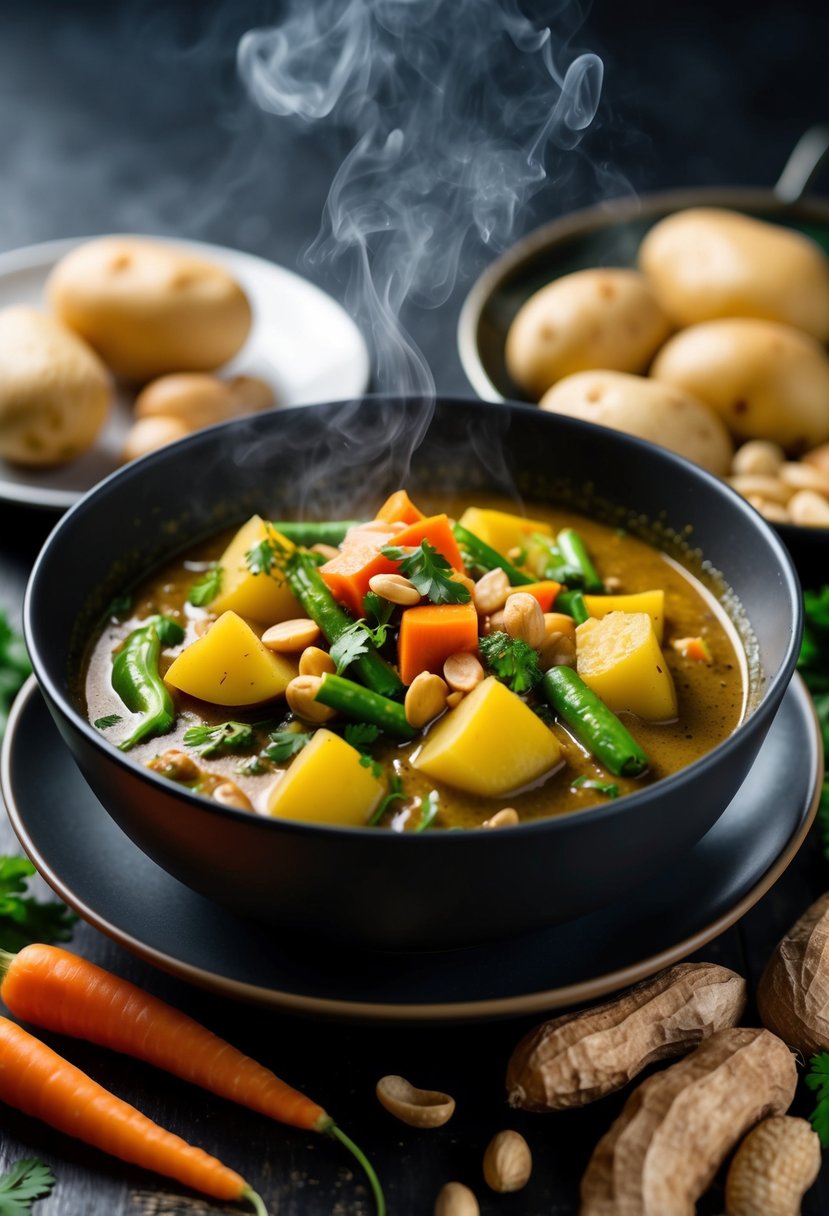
[765, 380]
[592, 318]
[793, 993]
[677, 1127]
[663, 415]
[54, 391]
[198, 399]
[706, 263]
[580, 1057]
[148, 307]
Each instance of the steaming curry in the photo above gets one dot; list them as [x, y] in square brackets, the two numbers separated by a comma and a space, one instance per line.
[418, 671]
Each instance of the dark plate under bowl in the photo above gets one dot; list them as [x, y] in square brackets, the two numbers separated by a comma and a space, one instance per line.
[610, 235]
[377, 888]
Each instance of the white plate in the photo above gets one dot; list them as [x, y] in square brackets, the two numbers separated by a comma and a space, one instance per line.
[302, 342]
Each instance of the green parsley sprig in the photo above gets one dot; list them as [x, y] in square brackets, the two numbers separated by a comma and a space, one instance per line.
[813, 665]
[355, 641]
[24, 919]
[213, 740]
[817, 1078]
[205, 589]
[430, 572]
[28, 1180]
[14, 668]
[512, 660]
[285, 743]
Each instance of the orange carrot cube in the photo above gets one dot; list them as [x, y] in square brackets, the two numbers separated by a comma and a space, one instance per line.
[429, 633]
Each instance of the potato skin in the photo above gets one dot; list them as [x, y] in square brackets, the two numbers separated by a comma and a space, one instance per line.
[149, 308]
[653, 411]
[54, 391]
[592, 318]
[765, 380]
[706, 263]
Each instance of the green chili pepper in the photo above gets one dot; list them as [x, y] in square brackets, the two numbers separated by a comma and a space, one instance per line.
[138, 682]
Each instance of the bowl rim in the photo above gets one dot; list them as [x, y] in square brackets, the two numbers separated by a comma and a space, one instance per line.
[772, 690]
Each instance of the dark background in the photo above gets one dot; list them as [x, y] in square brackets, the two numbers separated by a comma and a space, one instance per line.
[130, 117]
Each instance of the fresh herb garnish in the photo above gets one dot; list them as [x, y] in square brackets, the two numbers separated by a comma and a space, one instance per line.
[368, 761]
[813, 665]
[14, 668]
[120, 606]
[361, 734]
[285, 743]
[375, 606]
[396, 793]
[429, 808]
[205, 589]
[430, 572]
[24, 919]
[610, 788]
[106, 722]
[268, 556]
[817, 1078]
[212, 740]
[27, 1181]
[254, 767]
[512, 660]
[355, 641]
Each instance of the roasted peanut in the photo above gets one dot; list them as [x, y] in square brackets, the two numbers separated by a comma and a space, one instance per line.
[316, 662]
[326, 551]
[793, 993]
[417, 1107]
[505, 818]
[176, 765]
[559, 622]
[678, 1126]
[290, 636]
[801, 476]
[463, 671]
[454, 699]
[762, 486]
[491, 592]
[819, 457]
[809, 509]
[395, 588]
[772, 1169]
[301, 697]
[758, 456]
[455, 1199]
[508, 1162]
[579, 1057]
[774, 512]
[523, 619]
[229, 794]
[557, 650]
[425, 699]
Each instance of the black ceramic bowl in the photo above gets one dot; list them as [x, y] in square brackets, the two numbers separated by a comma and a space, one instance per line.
[371, 887]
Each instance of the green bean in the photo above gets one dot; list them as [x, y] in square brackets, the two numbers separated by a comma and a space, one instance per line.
[310, 589]
[595, 726]
[575, 555]
[363, 705]
[482, 555]
[137, 679]
[309, 532]
[572, 602]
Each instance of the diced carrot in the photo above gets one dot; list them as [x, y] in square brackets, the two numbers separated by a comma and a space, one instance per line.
[438, 531]
[375, 532]
[692, 648]
[399, 506]
[545, 592]
[347, 575]
[429, 633]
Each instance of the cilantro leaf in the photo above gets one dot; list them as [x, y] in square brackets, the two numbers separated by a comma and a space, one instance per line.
[355, 641]
[285, 743]
[24, 919]
[223, 737]
[818, 1079]
[205, 589]
[14, 668]
[510, 659]
[361, 734]
[28, 1180]
[262, 558]
[377, 607]
[604, 787]
[254, 767]
[813, 665]
[430, 572]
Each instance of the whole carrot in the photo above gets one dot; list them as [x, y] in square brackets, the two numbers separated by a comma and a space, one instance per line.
[38, 1081]
[60, 991]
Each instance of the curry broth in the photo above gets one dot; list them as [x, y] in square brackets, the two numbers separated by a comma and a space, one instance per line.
[711, 697]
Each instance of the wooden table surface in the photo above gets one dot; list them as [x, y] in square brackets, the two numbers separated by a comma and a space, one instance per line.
[123, 118]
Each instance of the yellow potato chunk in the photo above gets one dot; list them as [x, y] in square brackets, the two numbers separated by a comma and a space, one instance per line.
[327, 783]
[490, 744]
[228, 665]
[620, 658]
[500, 530]
[260, 597]
[652, 602]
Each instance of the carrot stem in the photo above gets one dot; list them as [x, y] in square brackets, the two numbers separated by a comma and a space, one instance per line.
[255, 1201]
[368, 1168]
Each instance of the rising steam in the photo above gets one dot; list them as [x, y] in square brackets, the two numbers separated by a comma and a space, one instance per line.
[455, 111]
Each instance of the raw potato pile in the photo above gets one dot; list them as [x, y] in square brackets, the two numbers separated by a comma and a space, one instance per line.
[137, 309]
[750, 302]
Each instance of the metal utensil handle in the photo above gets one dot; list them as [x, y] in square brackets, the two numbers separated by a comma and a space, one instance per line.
[805, 159]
